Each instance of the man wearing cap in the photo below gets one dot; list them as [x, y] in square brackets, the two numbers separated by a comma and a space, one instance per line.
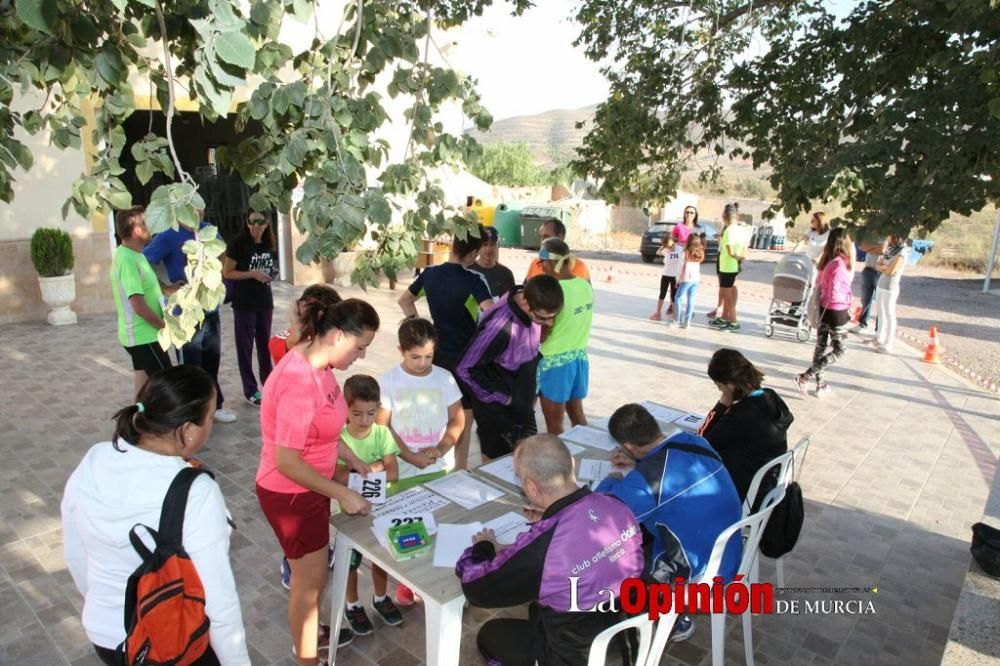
[499, 278]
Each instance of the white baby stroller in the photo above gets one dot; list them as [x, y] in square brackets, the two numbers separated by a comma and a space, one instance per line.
[792, 285]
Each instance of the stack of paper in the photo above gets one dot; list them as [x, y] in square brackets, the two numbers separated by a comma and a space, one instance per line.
[662, 414]
[464, 489]
[412, 502]
[503, 469]
[507, 527]
[592, 437]
[594, 470]
[691, 422]
[451, 542]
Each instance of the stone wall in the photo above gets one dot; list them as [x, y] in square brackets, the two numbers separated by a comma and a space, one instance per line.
[20, 297]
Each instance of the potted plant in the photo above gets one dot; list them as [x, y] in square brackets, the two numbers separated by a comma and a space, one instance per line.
[52, 256]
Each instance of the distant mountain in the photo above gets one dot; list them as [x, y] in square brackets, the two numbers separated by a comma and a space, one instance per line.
[553, 136]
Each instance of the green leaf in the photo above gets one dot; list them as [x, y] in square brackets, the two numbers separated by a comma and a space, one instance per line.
[109, 68]
[994, 106]
[379, 211]
[144, 171]
[119, 200]
[236, 49]
[21, 154]
[302, 9]
[38, 14]
[207, 233]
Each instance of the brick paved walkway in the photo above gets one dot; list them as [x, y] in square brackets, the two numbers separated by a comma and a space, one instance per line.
[898, 470]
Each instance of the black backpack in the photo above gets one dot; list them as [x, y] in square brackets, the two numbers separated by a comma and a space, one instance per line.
[986, 548]
[785, 525]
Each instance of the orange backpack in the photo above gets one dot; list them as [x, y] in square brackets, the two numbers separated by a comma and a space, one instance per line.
[165, 621]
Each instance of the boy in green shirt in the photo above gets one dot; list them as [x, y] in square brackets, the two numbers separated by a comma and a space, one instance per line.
[137, 297]
[564, 370]
[377, 448]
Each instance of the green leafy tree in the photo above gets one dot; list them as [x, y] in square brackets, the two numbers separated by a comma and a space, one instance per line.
[889, 112]
[508, 164]
[318, 109]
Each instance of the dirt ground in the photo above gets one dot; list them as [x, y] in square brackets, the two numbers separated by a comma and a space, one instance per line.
[968, 321]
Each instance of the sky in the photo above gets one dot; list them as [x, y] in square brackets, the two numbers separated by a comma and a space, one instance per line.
[527, 64]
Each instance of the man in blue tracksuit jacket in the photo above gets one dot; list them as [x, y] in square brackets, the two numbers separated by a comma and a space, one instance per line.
[682, 496]
[569, 565]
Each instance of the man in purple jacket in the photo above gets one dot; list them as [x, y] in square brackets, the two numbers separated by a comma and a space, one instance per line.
[498, 367]
[569, 565]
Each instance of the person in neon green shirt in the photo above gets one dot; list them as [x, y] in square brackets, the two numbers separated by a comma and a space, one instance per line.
[564, 370]
[138, 296]
[375, 446]
[732, 248]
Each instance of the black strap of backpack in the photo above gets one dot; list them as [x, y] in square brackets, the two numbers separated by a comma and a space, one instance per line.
[696, 450]
[171, 528]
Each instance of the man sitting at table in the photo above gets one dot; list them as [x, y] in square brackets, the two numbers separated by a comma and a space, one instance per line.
[682, 491]
[545, 565]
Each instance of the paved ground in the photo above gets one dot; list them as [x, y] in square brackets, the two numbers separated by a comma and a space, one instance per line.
[967, 319]
[899, 469]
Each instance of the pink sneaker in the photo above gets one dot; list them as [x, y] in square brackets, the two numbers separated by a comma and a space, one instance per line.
[404, 596]
[655, 316]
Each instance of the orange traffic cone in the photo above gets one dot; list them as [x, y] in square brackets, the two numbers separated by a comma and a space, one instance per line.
[611, 274]
[935, 340]
[931, 355]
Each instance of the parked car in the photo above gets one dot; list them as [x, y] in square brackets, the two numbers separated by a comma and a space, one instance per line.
[652, 239]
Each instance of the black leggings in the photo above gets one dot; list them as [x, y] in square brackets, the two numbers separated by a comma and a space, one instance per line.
[668, 282]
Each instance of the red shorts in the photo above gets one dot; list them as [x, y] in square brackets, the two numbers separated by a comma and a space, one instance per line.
[301, 521]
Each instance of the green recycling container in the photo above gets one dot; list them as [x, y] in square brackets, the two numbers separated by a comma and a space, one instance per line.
[532, 219]
[508, 223]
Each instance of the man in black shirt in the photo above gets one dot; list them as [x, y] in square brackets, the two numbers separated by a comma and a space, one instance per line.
[499, 278]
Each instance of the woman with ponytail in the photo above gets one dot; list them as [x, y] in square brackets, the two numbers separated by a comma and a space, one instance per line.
[302, 415]
[123, 482]
[749, 424]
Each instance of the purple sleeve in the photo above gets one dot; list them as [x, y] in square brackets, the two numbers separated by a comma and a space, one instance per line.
[510, 576]
[475, 371]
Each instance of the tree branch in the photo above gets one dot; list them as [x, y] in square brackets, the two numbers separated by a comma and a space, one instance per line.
[184, 176]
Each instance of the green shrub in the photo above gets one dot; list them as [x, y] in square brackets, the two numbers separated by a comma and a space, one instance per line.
[51, 252]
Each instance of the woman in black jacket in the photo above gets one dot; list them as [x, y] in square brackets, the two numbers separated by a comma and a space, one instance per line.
[748, 427]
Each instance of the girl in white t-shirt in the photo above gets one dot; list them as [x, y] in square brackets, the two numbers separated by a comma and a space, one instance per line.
[672, 257]
[421, 404]
[815, 239]
[689, 278]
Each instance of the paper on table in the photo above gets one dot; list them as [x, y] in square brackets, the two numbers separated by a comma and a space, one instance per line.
[690, 421]
[592, 437]
[594, 470]
[381, 524]
[464, 490]
[411, 502]
[600, 424]
[371, 487]
[502, 468]
[661, 413]
[508, 526]
[574, 449]
[451, 541]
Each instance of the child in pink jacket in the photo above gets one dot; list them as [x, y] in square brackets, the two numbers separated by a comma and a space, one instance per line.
[836, 271]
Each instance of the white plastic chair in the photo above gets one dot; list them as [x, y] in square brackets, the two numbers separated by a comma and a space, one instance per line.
[641, 623]
[752, 528]
[787, 463]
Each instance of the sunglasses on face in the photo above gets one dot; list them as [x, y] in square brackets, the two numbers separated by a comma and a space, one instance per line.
[257, 221]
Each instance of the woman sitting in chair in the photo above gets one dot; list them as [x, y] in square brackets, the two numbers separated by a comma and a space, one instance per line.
[748, 427]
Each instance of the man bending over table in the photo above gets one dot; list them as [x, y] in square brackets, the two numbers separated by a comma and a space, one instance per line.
[545, 565]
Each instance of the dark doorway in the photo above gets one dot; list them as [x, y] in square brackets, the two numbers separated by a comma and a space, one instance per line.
[226, 195]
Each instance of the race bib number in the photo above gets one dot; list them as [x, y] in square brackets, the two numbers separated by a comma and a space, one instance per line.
[371, 487]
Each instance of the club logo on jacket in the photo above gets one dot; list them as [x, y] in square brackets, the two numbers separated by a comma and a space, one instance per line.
[593, 516]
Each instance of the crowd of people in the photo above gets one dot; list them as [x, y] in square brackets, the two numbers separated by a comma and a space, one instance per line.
[490, 351]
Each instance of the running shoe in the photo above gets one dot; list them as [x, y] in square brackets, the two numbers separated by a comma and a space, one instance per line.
[802, 383]
[255, 399]
[655, 316]
[683, 629]
[358, 619]
[286, 574]
[718, 323]
[731, 326]
[388, 611]
[823, 390]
